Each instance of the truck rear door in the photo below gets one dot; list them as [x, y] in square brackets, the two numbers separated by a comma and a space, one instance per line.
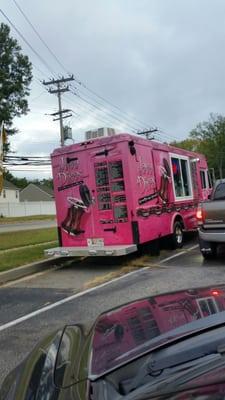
[91, 195]
[111, 208]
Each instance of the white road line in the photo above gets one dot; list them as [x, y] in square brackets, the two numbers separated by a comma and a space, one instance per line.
[77, 295]
[60, 302]
[179, 254]
[171, 257]
[193, 247]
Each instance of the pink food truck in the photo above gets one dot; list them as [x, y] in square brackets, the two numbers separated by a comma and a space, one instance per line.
[115, 194]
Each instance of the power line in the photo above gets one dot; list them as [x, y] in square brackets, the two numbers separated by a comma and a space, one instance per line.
[124, 118]
[38, 96]
[127, 118]
[26, 41]
[102, 110]
[91, 109]
[76, 79]
[38, 34]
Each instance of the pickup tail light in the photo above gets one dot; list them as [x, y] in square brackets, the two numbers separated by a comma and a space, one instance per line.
[200, 214]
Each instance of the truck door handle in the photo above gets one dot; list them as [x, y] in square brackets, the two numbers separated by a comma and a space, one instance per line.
[110, 229]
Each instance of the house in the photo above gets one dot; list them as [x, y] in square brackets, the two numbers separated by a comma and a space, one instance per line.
[10, 193]
[36, 192]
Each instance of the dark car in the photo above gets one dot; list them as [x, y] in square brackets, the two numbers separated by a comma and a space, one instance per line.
[211, 221]
[165, 346]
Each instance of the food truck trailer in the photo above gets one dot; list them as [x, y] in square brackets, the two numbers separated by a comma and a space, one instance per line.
[115, 194]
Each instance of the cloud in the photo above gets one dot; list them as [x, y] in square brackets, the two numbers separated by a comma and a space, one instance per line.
[160, 61]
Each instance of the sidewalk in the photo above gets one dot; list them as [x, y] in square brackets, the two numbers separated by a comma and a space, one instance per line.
[23, 226]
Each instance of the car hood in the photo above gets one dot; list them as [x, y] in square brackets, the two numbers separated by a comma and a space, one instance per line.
[77, 353]
[129, 331]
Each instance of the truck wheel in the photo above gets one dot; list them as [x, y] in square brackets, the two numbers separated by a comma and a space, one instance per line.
[177, 237]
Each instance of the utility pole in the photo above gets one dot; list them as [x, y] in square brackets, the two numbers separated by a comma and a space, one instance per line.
[60, 88]
[148, 133]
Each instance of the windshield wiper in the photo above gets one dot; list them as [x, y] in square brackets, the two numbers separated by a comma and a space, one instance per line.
[178, 357]
[177, 378]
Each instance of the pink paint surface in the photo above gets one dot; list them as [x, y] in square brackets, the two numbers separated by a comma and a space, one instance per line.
[119, 188]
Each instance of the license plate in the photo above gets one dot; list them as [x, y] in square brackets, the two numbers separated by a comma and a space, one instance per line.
[95, 242]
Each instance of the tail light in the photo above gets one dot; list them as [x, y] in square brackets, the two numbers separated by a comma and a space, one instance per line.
[200, 215]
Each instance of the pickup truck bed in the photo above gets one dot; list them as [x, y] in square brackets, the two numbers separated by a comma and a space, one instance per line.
[211, 221]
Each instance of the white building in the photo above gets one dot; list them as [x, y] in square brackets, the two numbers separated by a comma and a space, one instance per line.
[10, 193]
[100, 132]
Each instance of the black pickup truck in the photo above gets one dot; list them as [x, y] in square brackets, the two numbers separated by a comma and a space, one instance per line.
[211, 221]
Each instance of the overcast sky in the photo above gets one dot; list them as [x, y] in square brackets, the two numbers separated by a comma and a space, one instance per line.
[160, 61]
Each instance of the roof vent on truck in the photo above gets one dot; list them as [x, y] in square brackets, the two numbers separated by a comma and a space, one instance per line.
[85, 143]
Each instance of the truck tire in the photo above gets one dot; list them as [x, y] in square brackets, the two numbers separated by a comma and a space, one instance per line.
[177, 237]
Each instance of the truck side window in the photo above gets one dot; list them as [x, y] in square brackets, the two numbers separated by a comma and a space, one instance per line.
[177, 177]
[220, 192]
[209, 179]
[203, 180]
[181, 177]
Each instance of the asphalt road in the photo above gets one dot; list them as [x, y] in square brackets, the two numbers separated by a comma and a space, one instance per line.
[170, 271]
[23, 226]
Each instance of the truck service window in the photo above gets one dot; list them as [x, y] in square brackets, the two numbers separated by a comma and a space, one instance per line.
[203, 180]
[209, 179]
[120, 212]
[116, 170]
[181, 177]
[118, 186]
[186, 185]
[101, 175]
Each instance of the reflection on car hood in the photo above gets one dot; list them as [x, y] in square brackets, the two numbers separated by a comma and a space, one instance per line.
[117, 337]
[131, 330]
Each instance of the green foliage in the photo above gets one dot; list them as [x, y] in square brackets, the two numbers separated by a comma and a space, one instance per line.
[17, 258]
[15, 78]
[187, 144]
[44, 182]
[23, 182]
[211, 137]
[208, 138]
[19, 182]
[11, 240]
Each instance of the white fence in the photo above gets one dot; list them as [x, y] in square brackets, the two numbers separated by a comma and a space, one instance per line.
[27, 208]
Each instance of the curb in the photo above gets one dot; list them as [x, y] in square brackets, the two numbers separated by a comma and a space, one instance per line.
[29, 269]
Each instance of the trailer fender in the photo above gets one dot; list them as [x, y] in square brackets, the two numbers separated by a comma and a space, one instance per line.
[177, 228]
[176, 217]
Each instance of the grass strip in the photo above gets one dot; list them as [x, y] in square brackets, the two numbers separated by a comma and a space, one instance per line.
[23, 256]
[10, 240]
[12, 220]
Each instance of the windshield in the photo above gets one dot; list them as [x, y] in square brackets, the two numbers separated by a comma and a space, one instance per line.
[133, 329]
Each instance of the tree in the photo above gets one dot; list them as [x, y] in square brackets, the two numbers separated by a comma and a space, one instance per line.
[211, 137]
[15, 78]
[19, 182]
[208, 138]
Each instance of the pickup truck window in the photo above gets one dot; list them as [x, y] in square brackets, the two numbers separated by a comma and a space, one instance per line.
[220, 192]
